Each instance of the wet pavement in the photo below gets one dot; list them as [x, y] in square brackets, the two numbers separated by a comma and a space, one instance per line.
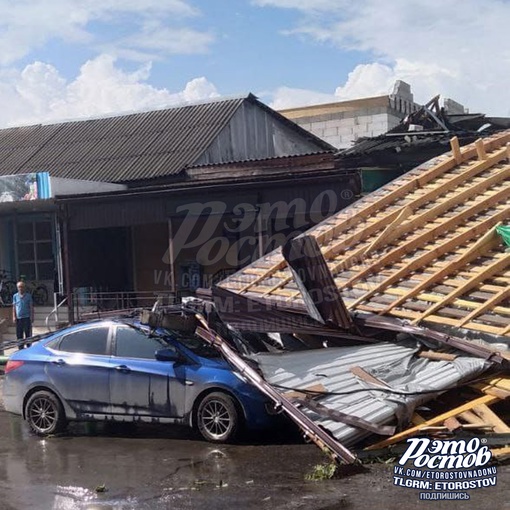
[162, 467]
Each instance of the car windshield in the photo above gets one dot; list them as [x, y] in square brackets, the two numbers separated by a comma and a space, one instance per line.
[194, 343]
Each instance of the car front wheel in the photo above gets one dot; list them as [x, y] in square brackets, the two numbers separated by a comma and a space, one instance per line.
[218, 418]
[45, 414]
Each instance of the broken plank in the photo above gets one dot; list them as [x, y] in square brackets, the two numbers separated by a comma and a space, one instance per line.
[485, 399]
[491, 418]
[305, 392]
[365, 376]
[438, 356]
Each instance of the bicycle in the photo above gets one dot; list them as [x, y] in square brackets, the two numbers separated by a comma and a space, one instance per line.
[38, 290]
[7, 288]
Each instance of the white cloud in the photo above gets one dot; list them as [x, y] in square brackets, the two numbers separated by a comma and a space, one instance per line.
[26, 25]
[305, 5]
[158, 40]
[39, 93]
[460, 50]
[288, 97]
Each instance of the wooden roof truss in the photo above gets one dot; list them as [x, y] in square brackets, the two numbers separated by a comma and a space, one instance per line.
[422, 248]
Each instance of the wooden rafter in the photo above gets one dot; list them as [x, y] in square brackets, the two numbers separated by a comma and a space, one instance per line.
[444, 247]
[396, 220]
[485, 399]
[488, 305]
[411, 249]
[488, 241]
[455, 200]
[498, 265]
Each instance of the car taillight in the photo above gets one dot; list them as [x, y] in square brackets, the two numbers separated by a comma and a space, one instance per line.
[12, 365]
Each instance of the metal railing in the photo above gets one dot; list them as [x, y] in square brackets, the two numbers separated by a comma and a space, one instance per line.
[54, 312]
[88, 305]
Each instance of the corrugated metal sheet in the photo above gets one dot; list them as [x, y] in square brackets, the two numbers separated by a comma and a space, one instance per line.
[393, 363]
[131, 147]
[143, 145]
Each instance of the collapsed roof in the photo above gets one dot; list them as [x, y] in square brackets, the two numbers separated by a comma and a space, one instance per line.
[422, 135]
[424, 248]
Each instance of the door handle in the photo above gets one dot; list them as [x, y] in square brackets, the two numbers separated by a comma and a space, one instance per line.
[60, 362]
[123, 369]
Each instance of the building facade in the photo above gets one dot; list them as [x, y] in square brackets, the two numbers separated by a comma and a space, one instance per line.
[163, 201]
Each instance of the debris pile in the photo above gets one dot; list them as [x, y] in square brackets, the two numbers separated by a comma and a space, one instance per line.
[391, 318]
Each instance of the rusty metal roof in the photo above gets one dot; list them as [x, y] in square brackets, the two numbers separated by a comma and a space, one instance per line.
[423, 248]
[118, 149]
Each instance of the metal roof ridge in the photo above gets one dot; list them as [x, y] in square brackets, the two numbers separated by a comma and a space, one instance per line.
[126, 113]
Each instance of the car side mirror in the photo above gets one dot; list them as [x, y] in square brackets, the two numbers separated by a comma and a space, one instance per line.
[168, 355]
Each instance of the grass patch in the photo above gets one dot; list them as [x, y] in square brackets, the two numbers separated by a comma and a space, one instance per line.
[322, 472]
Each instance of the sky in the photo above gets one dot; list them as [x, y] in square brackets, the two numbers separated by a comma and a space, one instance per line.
[72, 59]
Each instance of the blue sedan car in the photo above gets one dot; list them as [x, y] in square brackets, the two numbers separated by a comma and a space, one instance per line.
[119, 370]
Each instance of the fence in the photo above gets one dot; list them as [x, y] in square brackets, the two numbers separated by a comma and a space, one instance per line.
[96, 304]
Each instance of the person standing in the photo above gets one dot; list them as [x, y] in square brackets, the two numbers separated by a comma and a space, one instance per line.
[22, 313]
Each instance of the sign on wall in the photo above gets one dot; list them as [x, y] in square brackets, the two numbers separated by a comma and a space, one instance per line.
[16, 188]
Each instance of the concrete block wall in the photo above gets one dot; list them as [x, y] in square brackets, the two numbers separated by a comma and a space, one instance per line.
[346, 122]
[344, 128]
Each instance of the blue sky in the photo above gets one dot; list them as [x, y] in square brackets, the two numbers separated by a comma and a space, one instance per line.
[66, 59]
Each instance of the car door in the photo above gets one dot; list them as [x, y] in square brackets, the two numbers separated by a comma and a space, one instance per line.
[140, 385]
[80, 369]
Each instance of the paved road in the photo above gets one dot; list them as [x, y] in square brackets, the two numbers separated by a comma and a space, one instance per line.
[156, 467]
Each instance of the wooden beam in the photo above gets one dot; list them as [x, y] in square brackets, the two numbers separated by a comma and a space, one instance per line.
[437, 356]
[488, 305]
[498, 387]
[455, 146]
[404, 214]
[424, 259]
[471, 417]
[480, 149]
[485, 399]
[365, 376]
[491, 238]
[491, 418]
[496, 266]
[435, 231]
[452, 424]
[269, 272]
[305, 392]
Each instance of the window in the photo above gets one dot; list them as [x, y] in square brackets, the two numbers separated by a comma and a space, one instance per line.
[86, 341]
[131, 343]
[35, 249]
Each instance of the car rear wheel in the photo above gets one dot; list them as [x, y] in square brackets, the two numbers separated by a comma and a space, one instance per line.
[45, 414]
[218, 417]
